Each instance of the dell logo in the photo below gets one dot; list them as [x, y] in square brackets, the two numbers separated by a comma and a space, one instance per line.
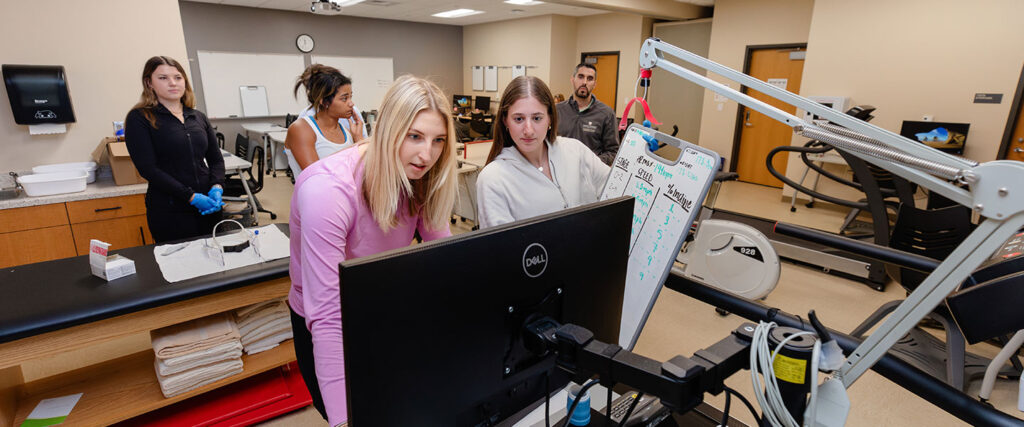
[535, 260]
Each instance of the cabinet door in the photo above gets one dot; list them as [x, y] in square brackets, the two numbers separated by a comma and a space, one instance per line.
[119, 232]
[38, 245]
[106, 208]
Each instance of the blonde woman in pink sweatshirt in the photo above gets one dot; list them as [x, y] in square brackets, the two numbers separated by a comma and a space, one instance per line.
[366, 199]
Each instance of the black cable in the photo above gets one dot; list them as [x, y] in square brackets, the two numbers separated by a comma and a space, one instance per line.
[745, 402]
[608, 404]
[632, 406]
[725, 412]
[576, 401]
[547, 399]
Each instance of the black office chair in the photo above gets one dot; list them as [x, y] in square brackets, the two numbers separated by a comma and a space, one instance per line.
[233, 185]
[220, 140]
[478, 126]
[289, 119]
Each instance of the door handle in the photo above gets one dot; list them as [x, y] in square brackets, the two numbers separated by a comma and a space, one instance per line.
[746, 119]
[106, 209]
[1018, 150]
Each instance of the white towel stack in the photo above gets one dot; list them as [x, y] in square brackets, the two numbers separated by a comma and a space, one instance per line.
[263, 326]
[196, 353]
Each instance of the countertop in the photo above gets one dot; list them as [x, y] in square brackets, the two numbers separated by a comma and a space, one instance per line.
[103, 187]
[58, 294]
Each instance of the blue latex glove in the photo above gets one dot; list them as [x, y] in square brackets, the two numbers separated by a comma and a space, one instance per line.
[217, 193]
[205, 204]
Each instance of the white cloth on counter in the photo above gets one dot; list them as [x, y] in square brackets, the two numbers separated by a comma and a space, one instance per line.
[182, 261]
[193, 336]
[182, 382]
[221, 352]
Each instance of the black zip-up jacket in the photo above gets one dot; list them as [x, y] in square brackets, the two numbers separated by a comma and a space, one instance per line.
[595, 126]
[178, 159]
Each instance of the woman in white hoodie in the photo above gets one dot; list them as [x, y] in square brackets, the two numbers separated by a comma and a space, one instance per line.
[529, 170]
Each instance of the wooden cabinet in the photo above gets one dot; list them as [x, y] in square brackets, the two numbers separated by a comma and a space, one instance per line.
[60, 230]
[38, 245]
[121, 233]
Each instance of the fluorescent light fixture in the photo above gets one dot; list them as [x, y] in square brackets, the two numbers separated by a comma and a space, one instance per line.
[346, 3]
[457, 13]
[524, 2]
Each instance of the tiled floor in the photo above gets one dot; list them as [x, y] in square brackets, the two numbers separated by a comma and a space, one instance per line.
[681, 325]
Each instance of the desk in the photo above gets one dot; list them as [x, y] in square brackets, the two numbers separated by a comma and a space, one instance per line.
[276, 140]
[262, 129]
[466, 119]
[238, 164]
[79, 311]
[474, 158]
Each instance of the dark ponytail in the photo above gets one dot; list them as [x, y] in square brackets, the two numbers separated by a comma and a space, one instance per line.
[322, 83]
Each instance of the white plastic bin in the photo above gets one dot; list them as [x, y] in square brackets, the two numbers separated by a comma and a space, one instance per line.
[45, 184]
[89, 167]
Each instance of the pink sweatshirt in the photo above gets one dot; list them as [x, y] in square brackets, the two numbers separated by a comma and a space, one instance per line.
[329, 223]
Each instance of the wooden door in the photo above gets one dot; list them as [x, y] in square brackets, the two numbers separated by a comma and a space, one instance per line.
[759, 134]
[1015, 151]
[607, 65]
[125, 232]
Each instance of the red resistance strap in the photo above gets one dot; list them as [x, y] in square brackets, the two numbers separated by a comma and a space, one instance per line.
[647, 113]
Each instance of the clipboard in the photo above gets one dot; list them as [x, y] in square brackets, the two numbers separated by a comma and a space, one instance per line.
[668, 197]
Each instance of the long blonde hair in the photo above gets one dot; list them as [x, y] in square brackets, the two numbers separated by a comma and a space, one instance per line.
[385, 184]
[148, 98]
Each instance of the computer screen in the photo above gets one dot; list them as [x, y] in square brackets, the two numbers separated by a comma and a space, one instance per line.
[483, 103]
[432, 333]
[461, 101]
[947, 137]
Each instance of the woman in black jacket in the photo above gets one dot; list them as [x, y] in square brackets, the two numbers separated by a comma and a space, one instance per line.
[174, 148]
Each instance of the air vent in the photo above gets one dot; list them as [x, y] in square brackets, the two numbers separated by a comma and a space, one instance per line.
[380, 3]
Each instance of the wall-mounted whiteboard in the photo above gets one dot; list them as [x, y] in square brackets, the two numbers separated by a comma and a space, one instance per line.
[371, 77]
[491, 78]
[478, 77]
[222, 73]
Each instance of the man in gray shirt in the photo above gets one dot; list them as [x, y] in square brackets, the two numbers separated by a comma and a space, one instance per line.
[585, 118]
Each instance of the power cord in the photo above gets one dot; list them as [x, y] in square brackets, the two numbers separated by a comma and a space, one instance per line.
[547, 398]
[632, 406]
[762, 359]
[757, 417]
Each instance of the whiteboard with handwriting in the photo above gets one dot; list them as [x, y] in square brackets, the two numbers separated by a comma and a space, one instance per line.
[668, 195]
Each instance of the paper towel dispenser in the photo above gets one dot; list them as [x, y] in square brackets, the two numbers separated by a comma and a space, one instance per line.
[38, 94]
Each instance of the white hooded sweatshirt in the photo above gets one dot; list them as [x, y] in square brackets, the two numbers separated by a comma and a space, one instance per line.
[510, 188]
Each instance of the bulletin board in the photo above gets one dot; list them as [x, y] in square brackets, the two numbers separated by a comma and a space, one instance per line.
[668, 197]
[370, 76]
[223, 73]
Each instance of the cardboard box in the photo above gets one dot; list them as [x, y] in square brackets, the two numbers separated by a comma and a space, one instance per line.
[115, 153]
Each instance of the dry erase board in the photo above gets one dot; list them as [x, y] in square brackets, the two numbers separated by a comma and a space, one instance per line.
[668, 195]
[222, 73]
[371, 77]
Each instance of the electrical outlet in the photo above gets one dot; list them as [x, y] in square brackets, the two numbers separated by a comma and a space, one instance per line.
[928, 118]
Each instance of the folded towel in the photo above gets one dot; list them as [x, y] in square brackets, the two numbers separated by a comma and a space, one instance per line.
[262, 324]
[194, 335]
[268, 342]
[194, 378]
[253, 311]
[266, 330]
[226, 351]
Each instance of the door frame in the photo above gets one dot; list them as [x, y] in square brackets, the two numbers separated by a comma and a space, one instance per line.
[738, 129]
[1011, 122]
[618, 61]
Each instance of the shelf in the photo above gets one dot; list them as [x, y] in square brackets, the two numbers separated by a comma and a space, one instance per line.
[122, 388]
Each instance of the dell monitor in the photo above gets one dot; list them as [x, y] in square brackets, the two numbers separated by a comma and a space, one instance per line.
[433, 333]
[483, 103]
[946, 137]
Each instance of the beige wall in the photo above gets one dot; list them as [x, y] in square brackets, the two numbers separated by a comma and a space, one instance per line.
[736, 25]
[614, 32]
[674, 100]
[908, 73]
[524, 41]
[553, 43]
[102, 46]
